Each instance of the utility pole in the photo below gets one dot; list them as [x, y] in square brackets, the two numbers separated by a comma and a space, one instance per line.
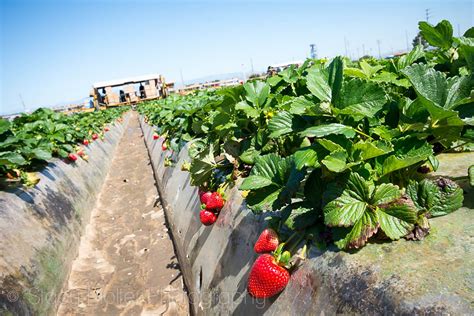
[312, 53]
[459, 31]
[251, 65]
[345, 46]
[181, 74]
[363, 49]
[428, 14]
[406, 39]
[378, 45]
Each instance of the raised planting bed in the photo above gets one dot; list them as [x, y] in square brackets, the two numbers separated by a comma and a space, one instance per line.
[432, 276]
[40, 227]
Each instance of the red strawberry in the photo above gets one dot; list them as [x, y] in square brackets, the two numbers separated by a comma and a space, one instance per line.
[95, 136]
[85, 142]
[205, 197]
[267, 242]
[156, 136]
[201, 192]
[106, 129]
[267, 278]
[80, 152]
[72, 157]
[207, 217]
[215, 201]
[164, 146]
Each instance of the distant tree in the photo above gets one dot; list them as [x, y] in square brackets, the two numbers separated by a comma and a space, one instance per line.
[254, 75]
[419, 39]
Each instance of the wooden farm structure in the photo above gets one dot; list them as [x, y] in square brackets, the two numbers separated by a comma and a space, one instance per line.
[130, 90]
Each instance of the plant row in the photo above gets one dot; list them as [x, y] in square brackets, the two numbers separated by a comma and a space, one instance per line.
[336, 151]
[29, 141]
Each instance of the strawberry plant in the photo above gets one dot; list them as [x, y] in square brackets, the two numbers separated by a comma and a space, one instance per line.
[28, 142]
[337, 150]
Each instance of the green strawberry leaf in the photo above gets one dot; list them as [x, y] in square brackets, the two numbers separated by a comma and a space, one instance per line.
[300, 216]
[391, 221]
[257, 92]
[42, 154]
[364, 150]
[328, 129]
[435, 197]
[11, 158]
[272, 181]
[306, 157]
[247, 109]
[407, 151]
[385, 193]
[360, 99]
[317, 83]
[336, 161]
[285, 123]
[255, 182]
[202, 167]
[364, 228]
[280, 124]
[4, 126]
[365, 207]
[411, 57]
[440, 35]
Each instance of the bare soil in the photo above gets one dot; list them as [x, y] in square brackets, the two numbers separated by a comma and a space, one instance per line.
[126, 263]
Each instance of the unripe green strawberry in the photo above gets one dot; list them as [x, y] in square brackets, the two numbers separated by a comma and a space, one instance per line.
[267, 278]
[267, 242]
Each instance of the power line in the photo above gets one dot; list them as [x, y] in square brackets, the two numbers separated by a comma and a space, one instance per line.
[22, 102]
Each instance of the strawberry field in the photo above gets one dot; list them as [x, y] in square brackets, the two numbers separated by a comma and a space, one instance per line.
[330, 187]
[335, 151]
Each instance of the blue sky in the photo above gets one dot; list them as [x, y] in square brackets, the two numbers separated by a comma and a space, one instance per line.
[52, 51]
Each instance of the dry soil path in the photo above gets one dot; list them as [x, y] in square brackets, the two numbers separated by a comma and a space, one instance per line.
[126, 263]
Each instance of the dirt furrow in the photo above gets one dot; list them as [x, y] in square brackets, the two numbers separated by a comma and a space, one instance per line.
[126, 263]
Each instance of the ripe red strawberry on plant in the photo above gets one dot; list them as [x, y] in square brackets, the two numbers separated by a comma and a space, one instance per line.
[267, 242]
[85, 142]
[204, 197]
[214, 201]
[207, 217]
[267, 277]
[95, 136]
[106, 129]
[156, 136]
[72, 157]
[164, 146]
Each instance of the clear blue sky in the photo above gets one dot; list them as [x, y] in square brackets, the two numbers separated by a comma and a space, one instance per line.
[52, 51]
